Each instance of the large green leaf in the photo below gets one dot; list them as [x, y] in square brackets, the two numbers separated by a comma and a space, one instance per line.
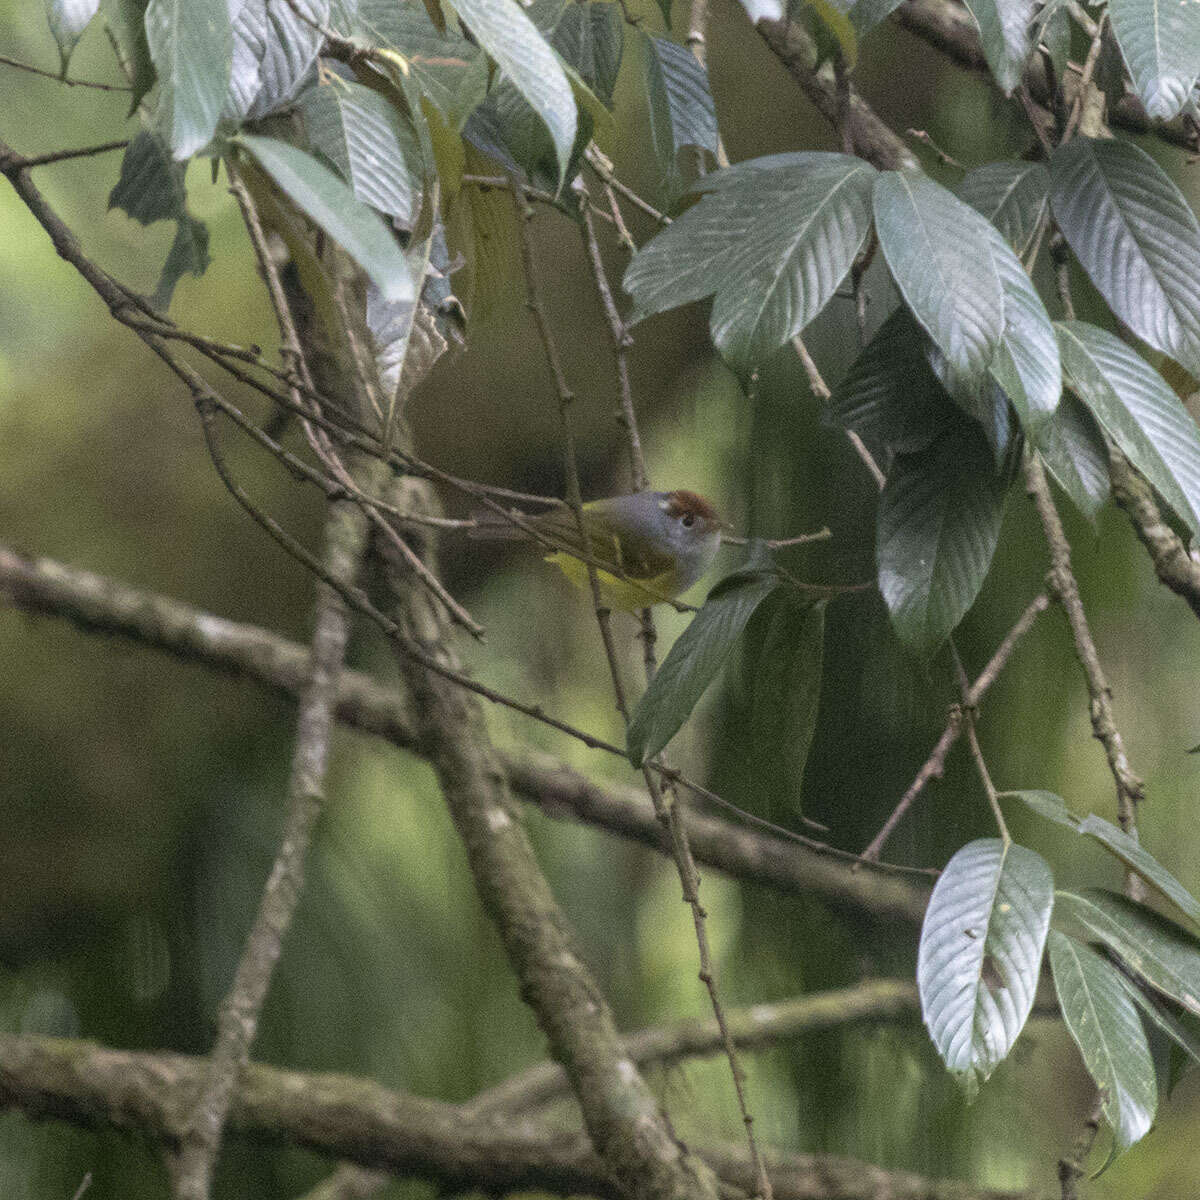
[1138, 411]
[1012, 194]
[126, 20]
[519, 50]
[679, 102]
[1103, 1021]
[776, 690]
[694, 660]
[191, 43]
[1160, 40]
[980, 954]
[1129, 850]
[1026, 365]
[1136, 237]
[330, 203]
[68, 19]
[1176, 1023]
[372, 146]
[274, 55]
[1162, 953]
[1072, 447]
[890, 397]
[1004, 31]
[151, 188]
[938, 524]
[773, 243]
[940, 253]
[590, 36]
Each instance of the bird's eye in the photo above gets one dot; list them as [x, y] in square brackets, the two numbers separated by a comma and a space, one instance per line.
[688, 520]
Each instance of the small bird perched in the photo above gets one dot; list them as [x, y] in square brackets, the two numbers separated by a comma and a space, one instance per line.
[657, 544]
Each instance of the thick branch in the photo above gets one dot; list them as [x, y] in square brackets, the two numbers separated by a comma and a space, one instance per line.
[102, 605]
[1172, 562]
[357, 1120]
[843, 108]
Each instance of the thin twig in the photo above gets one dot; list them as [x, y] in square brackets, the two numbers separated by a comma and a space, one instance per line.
[54, 156]
[59, 78]
[935, 764]
[1085, 81]
[985, 777]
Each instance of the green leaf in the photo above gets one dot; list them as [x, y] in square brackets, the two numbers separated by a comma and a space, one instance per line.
[1162, 953]
[694, 660]
[1160, 41]
[1026, 365]
[1138, 411]
[327, 201]
[1072, 447]
[188, 256]
[778, 687]
[519, 50]
[773, 242]
[447, 69]
[1051, 30]
[834, 31]
[1004, 31]
[680, 105]
[191, 44]
[1176, 1023]
[126, 20]
[890, 397]
[274, 55]
[68, 19]
[980, 954]
[590, 36]
[940, 253]
[1139, 860]
[1104, 1023]
[372, 146]
[938, 524]
[1136, 237]
[151, 188]
[1129, 850]
[1014, 195]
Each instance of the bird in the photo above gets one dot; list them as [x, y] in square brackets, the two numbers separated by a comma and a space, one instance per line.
[655, 545]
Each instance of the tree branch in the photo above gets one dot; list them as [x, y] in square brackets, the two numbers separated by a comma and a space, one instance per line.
[357, 1120]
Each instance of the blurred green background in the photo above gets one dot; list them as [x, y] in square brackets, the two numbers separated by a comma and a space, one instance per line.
[140, 798]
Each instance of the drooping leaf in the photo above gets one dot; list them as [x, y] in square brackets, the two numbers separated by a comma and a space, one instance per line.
[1176, 1023]
[1026, 365]
[833, 31]
[1160, 40]
[519, 50]
[693, 662]
[1051, 30]
[590, 36]
[772, 242]
[68, 19]
[890, 397]
[1138, 411]
[191, 43]
[778, 686]
[980, 954]
[1004, 31]
[1012, 194]
[938, 524]
[940, 253]
[330, 203]
[680, 105]
[1129, 850]
[1072, 447]
[1136, 237]
[1162, 953]
[274, 55]
[126, 20]
[1139, 860]
[151, 188]
[373, 147]
[1103, 1021]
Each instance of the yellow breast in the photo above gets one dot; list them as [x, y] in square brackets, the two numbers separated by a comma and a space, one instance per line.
[621, 595]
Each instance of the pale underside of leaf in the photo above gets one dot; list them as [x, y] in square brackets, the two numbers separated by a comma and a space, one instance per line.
[1160, 41]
